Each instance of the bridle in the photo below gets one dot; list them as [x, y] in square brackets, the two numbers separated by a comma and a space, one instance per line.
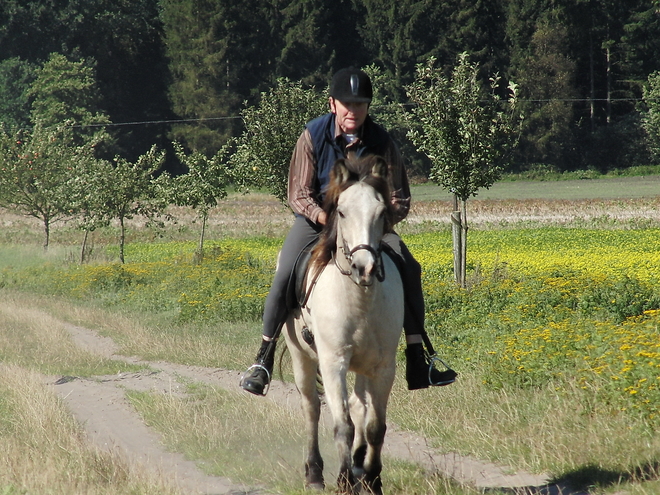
[348, 255]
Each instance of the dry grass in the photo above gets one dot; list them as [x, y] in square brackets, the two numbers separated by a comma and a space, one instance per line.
[43, 450]
[32, 338]
[536, 430]
[261, 214]
[482, 214]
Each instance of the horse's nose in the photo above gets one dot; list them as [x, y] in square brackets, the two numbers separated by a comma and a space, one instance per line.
[363, 272]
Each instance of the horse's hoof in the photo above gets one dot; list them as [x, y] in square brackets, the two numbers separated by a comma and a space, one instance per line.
[316, 486]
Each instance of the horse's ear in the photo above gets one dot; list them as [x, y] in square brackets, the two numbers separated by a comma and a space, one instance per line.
[379, 168]
[340, 173]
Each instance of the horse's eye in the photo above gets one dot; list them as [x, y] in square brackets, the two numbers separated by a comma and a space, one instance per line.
[341, 214]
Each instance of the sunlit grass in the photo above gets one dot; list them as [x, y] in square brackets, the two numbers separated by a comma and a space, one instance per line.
[43, 450]
[555, 340]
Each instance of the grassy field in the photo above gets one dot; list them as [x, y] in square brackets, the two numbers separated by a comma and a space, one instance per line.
[556, 339]
[603, 188]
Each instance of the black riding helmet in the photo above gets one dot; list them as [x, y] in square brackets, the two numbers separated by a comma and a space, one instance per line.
[351, 85]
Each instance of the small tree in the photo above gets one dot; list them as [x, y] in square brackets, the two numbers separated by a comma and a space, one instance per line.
[272, 127]
[202, 186]
[37, 170]
[466, 132]
[651, 119]
[40, 165]
[127, 189]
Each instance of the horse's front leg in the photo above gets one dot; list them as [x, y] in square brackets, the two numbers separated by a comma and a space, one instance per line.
[334, 372]
[312, 412]
[305, 372]
[377, 394]
[358, 414]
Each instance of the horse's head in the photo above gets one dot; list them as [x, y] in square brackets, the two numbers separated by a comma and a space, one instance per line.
[359, 213]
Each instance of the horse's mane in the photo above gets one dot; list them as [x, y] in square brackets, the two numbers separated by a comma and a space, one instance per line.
[343, 175]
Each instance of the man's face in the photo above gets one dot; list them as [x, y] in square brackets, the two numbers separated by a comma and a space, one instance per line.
[350, 116]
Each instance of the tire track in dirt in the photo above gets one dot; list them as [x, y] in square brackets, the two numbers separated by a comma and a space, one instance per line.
[112, 424]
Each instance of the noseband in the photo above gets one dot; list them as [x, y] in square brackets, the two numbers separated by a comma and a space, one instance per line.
[377, 254]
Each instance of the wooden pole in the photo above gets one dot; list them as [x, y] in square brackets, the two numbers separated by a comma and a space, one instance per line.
[456, 234]
[464, 233]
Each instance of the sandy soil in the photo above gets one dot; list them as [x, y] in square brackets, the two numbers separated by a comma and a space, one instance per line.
[111, 423]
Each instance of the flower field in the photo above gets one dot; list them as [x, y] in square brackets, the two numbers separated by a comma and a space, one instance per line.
[567, 308]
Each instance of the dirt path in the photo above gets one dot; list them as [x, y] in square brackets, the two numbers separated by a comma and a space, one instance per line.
[112, 424]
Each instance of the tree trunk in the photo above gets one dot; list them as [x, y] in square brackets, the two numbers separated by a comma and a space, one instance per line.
[464, 236]
[84, 246]
[456, 233]
[46, 233]
[459, 233]
[199, 255]
[592, 90]
[608, 55]
[122, 239]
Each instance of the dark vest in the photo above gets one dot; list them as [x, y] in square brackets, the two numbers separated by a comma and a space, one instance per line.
[327, 150]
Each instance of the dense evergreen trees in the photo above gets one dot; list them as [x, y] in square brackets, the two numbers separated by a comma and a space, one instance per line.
[580, 64]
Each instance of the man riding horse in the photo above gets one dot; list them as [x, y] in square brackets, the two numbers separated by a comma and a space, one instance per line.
[348, 128]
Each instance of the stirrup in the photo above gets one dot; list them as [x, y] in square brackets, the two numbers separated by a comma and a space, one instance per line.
[256, 367]
[432, 360]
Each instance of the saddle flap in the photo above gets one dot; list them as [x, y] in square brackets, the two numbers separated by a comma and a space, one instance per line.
[296, 293]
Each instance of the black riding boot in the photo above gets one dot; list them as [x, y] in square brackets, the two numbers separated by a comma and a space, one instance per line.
[257, 377]
[420, 372]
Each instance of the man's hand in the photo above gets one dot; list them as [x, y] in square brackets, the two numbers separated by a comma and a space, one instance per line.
[322, 219]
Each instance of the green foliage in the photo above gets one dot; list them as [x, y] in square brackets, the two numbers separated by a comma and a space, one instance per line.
[16, 75]
[219, 52]
[272, 127]
[132, 189]
[565, 308]
[651, 120]
[204, 184]
[465, 131]
[546, 76]
[66, 91]
[38, 172]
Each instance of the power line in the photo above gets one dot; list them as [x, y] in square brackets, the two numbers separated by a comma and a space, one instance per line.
[144, 122]
[236, 117]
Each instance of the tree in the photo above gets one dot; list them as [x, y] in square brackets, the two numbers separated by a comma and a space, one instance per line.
[651, 119]
[37, 170]
[272, 127]
[39, 165]
[202, 186]
[16, 76]
[546, 75]
[129, 189]
[465, 132]
[66, 91]
[124, 37]
[221, 53]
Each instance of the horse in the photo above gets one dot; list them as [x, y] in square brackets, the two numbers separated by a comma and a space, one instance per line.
[350, 321]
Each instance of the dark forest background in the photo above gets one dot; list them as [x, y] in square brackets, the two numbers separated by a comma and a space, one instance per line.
[183, 69]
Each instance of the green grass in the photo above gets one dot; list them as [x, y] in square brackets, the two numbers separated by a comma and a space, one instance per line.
[573, 189]
[555, 341]
[544, 305]
[224, 440]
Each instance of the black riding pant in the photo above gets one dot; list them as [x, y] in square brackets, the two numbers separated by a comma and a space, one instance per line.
[301, 234]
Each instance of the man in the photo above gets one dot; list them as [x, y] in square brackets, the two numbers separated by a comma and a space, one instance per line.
[347, 128]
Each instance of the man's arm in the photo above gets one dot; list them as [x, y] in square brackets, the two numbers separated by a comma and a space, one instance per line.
[302, 194]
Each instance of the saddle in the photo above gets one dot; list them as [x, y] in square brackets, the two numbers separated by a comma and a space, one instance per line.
[297, 291]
